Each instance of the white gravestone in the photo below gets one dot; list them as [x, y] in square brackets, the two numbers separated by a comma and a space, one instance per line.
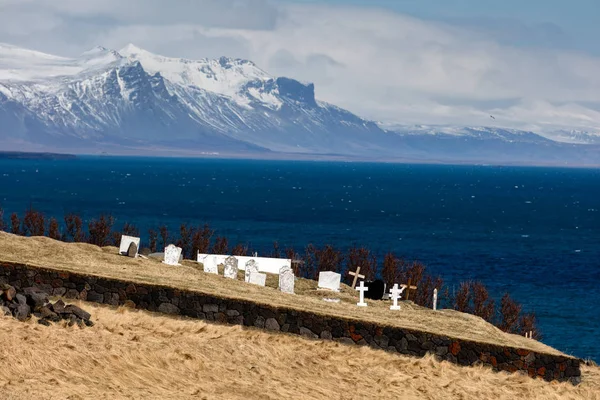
[126, 242]
[362, 289]
[286, 280]
[172, 254]
[231, 267]
[329, 280]
[250, 268]
[258, 278]
[434, 299]
[395, 294]
[210, 265]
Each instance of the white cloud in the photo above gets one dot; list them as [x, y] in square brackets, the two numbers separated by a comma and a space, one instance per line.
[376, 63]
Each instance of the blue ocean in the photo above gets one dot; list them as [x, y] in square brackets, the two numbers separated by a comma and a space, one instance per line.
[534, 232]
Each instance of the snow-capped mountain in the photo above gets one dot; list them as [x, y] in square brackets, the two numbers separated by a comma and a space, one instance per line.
[136, 98]
[135, 101]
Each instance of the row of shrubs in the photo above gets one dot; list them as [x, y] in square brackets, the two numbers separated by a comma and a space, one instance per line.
[470, 297]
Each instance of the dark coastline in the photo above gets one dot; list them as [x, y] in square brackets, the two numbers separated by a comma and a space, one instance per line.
[18, 155]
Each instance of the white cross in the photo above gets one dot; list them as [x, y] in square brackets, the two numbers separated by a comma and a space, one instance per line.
[362, 289]
[434, 299]
[395, 295]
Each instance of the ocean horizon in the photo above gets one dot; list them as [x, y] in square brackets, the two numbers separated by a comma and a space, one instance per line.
[529, 231]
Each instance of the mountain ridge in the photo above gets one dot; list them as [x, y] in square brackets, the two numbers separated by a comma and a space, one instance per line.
[139, 100]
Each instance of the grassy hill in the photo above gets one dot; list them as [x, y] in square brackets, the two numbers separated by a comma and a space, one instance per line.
[140, 355]
[105, 262]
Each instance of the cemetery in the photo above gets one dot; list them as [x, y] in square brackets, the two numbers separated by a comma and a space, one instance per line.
[225, 291]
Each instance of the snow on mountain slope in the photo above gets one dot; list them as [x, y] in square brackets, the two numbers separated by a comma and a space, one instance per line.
[139, 97]
[143, 102]
[225, 76]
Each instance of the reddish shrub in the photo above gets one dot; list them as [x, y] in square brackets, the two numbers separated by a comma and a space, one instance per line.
[509, 314]
[153, 236]
[34, 223]
[276, 253]
[240, 250]
[201, 239]
[363, 258]
[74, 227]
[100, 230]
[164, 235]
[53, 229]
[391, 270]
[15, 224]
[328, 259]
[221, 246]
[186, 233]
[473, 298]
[2, 224]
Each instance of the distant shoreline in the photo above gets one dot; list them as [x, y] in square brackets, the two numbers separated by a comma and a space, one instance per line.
[21, 155]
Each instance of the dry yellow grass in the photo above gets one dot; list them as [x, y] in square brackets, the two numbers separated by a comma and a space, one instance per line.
[88, 259]
[140, 355]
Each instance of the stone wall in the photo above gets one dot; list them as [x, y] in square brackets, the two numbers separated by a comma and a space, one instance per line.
[230, 311]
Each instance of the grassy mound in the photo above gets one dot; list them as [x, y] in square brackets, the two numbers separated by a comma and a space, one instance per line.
[92, 260]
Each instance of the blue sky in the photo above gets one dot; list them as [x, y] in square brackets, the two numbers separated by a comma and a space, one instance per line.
[533, 64]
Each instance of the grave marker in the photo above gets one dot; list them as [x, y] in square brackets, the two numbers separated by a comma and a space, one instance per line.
[231, 268]
[329, 280]
[172, 255]
[362, 289]
[286, 280]
[210, 265]
[356, 276]
[395, 295]
[250, 268]
[125, 245]
[132, 251]
[408, 287]
[258, 278]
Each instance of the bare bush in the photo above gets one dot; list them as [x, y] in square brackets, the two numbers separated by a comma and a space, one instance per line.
[74, 228]
[100, 230]
[53, 229]
[363, 258]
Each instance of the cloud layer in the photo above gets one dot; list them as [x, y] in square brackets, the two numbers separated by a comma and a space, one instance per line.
[381, 65]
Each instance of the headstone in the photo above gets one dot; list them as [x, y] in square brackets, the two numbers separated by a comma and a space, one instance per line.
[210, 265]
[231, 267]
[250, 268]
[356, 276]
[434, 299]
[376, 289]
[362, 289]
[286, 280]
[408, 288]
[125, 245]
[329, 280]
[330, 300]
[395, 295]
[172, 255]
[258, 278]
[132, 250]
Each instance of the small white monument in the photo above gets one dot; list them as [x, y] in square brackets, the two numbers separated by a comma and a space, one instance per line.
[434, 299]
[258, 278]
[250, 268]
[286, 280]
[362, 289]
[231, 267]
[125, 247]
[395, 293]
[172, 255]
[210, 265]
[329, 280]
